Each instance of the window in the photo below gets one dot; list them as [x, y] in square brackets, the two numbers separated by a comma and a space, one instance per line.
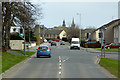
[54, 35]
[47, 35]
[14, 29]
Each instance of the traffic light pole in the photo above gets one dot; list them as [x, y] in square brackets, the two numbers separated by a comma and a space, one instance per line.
[24, 43]
[39, 36]
[24, 36]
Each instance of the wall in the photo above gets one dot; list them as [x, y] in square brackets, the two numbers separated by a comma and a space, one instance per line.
[33, 44]
[62, 34]
[17, 44]
[117, 34]
[95, 35]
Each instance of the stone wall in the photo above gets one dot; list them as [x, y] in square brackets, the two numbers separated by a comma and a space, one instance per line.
[17, 44]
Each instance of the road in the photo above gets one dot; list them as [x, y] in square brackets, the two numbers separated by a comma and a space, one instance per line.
[64, 63]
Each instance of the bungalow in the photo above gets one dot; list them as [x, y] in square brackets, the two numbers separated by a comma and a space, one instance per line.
[53, 34]
[117, 33]
[110, 35]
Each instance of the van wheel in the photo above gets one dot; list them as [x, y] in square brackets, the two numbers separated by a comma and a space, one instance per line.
[78, 48]
[71, 48]
[37, 56]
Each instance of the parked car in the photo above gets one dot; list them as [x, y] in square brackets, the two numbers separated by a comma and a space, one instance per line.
[62, 43]
[75, 43]
[53, 43]
[92, 45]
[45, 40]
[57, 40]
[43, 51]
[50, 41]
[113, 45]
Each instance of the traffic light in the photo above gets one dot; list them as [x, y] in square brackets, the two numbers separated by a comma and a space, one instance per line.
[21, 32]
[100, 35]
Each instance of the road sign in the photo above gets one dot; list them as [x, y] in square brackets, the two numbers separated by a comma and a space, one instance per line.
[21, 34]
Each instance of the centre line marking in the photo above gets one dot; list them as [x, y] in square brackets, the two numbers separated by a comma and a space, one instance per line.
[60, 67]
[60, 64]
[60, 61]
[60, 73]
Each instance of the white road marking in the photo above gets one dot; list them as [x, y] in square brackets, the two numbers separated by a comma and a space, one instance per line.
[59, 57]
[60, 73]
[60, 64]
[60, 61]
[65, 60]
[60, 68]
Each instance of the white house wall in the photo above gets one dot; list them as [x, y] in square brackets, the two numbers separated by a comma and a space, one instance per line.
[62, 34]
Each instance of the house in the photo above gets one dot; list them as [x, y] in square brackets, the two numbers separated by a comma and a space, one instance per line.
[85, 33]
[109, 32]
[117, 33]
[15, 29]
[53, 34]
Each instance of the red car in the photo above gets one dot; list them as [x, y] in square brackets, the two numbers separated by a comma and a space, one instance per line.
[50, 41]
[57, 40]
[92, 45]
[113, 45]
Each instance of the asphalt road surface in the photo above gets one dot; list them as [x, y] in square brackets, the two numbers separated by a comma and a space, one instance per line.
[64, 63]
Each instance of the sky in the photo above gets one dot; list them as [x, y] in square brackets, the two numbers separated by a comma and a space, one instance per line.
[93, 14]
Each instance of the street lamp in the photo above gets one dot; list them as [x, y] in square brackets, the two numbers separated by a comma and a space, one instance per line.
[80, 23]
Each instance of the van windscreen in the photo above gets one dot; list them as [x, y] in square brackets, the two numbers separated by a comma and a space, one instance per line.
[75, 42]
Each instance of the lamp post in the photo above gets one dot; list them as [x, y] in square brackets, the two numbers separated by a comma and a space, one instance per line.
[80, 23]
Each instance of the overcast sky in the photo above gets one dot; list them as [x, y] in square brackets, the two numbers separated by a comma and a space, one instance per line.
[92, 13]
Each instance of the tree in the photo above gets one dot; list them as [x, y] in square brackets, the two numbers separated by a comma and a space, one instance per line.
[20, 13]
[27, 32]
[73, 32]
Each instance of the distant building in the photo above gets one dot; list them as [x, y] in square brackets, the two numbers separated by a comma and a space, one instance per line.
[85, 34]
[53, 34]
[14, 29]
[111, 32]
[117, 33]
[73, 24]
[64, 23]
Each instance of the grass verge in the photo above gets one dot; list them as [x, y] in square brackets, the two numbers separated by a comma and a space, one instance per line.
[109, 50]
[111, 65]
[9, 59]
[0, 62]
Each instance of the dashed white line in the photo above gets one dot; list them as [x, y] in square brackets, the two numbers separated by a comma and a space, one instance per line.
[60, 67]
[60, 73]
[60, 64]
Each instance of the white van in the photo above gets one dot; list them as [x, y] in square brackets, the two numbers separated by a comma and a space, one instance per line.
[75, 43]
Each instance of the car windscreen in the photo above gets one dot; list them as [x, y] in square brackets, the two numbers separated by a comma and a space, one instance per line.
[75, 42]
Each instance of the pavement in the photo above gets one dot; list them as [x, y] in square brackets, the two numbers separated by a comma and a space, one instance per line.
[64, 63]
[111, 55]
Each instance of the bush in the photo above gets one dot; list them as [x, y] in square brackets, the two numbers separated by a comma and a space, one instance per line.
[15, 36]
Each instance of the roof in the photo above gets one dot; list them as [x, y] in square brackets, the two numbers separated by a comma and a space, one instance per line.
[114, 23]
[52, 31]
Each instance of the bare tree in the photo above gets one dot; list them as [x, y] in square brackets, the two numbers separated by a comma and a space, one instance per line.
[20, 13]
[73, 32]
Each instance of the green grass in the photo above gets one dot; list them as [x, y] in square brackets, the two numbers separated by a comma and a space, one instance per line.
[111, 65]
[109, 50]
[27, 53]
[9, 59]
[0, 63]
